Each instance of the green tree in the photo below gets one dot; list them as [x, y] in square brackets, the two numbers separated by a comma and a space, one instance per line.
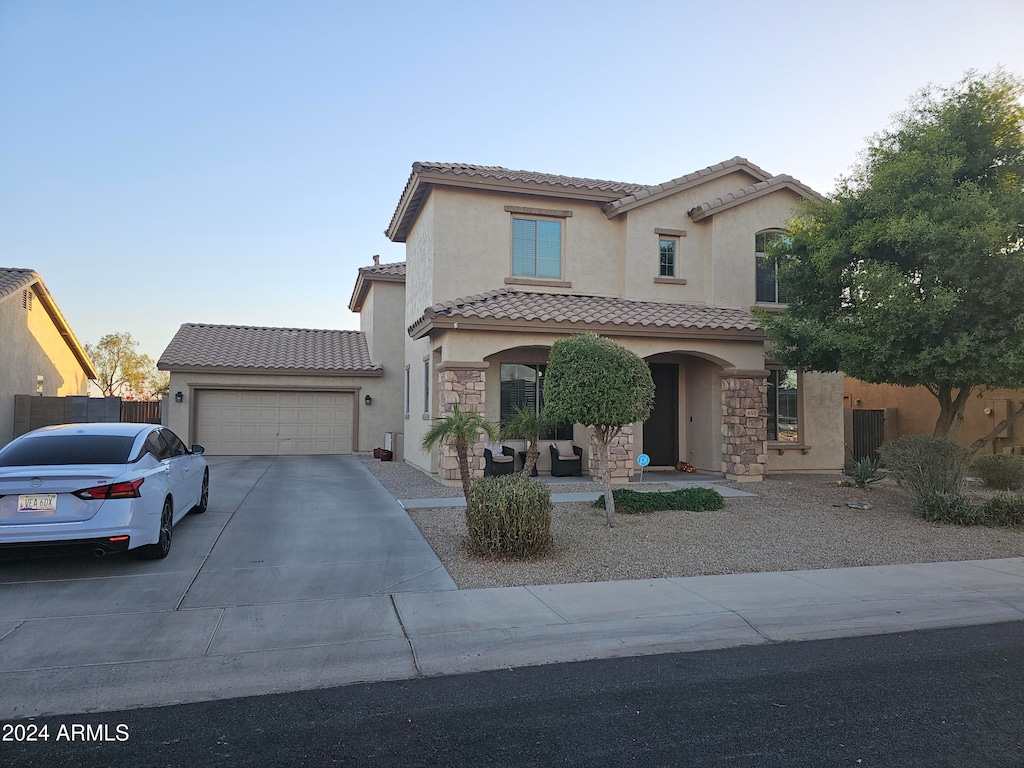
[526, 424]
[120, 367]
[459, 429]
[912, 273]
[595, 382]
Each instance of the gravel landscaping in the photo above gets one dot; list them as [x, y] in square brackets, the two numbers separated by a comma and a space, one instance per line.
[794, 522]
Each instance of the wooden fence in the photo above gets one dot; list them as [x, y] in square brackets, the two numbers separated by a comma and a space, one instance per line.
[33, 411]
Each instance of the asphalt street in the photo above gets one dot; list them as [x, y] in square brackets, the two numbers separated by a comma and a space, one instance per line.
[949, 697]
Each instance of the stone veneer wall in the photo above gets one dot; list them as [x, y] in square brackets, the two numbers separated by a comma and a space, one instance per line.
[744, 425]
[465, 387]
[620, 453]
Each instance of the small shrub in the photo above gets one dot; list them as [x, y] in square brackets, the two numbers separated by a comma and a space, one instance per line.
[864, 472]
[690, 499]
[1000, 470]
[954, 508]
[1004, 509]
[924, 464]
[509, 516]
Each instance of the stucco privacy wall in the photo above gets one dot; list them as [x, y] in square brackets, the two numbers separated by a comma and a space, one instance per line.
[821, 428]
[32, 347]
[917, 411]
[370, 421]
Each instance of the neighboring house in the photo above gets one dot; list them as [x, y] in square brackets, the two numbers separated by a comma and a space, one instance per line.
[500, 264]
[40, 354]
[914, 411]
[241, 390]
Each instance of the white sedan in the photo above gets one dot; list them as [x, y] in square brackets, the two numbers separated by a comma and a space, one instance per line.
[107, 487]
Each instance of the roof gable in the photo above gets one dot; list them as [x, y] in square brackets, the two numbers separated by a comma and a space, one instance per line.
[275, 350]
[385, 273]
[13, 280]
[752, 192]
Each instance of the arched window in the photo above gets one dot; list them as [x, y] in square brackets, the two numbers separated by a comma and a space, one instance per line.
[767, 273]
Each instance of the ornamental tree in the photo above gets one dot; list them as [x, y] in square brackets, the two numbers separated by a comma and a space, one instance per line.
[459, 429]
[595, 382]
[912, 273]
[121, 369]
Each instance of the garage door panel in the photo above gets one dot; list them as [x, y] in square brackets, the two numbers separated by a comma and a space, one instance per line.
[272, 423]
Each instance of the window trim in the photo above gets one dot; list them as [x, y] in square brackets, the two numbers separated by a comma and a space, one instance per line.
[775, 443]
[408, 389]
[426, 386]
[674, 272]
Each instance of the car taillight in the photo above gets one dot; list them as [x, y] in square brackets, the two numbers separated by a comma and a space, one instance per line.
[129, 490]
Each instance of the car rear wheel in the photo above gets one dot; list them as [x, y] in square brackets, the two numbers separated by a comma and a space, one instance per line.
[204, 497]
[162, 547]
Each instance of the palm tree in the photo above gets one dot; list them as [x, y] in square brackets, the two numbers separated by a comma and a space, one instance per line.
[459, 430]
[526, 424]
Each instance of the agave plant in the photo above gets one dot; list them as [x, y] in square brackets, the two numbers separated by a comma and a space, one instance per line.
[864, 472]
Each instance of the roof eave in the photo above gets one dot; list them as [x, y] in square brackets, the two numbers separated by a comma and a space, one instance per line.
[364, 281]
[64, 328]
[163, 365]
[441, 322]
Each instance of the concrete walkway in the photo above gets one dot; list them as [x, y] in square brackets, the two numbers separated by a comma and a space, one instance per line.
[72, 666]
[291, 583]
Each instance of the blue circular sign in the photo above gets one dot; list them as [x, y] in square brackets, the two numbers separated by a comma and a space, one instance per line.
[643, 459]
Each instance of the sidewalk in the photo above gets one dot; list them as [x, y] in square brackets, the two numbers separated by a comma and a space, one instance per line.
[215, 653]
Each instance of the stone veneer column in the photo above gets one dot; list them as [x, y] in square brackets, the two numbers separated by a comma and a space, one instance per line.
[744, 424]
[461, 383]
[620, 454]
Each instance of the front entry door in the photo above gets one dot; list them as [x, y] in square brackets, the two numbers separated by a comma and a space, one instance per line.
[661, 430]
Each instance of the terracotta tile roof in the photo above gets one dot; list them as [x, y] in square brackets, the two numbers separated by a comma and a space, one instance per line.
[750, 193]
[551, 179]
[689, 180]
[576, 311]
[396, 268]
[13, 280]
[197, 345]
[392, 273]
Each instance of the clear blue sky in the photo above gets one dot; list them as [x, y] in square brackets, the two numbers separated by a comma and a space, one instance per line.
[235, 162]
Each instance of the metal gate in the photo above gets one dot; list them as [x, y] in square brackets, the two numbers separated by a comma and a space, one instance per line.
[868, 433]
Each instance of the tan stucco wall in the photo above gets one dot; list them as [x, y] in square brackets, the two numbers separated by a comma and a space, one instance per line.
[917, 410]
[371, 421]
[821, 427]
[420, 282]
[33, 346]
[732, 253]
[384, 314]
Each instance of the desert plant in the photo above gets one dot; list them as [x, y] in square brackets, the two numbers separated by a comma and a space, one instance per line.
[459, 429]
[954, 508]
[864, 472]
[689, 499]
[526, 424]
[923, 464]
[509, 516]
[1000, 470]
[1004, 509]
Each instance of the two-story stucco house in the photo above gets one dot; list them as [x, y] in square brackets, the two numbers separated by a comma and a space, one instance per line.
[40, 354]
[500, 264]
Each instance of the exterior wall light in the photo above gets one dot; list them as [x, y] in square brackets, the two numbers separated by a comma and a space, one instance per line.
[368, 400]
[179, 397]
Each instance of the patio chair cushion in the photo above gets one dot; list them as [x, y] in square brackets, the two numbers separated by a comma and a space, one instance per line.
[499, 458]
[565, 450]
[494, 448]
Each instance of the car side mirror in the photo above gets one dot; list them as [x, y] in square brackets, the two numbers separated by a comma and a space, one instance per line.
[198, 449]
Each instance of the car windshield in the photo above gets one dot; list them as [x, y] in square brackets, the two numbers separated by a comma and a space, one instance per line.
[67, 449]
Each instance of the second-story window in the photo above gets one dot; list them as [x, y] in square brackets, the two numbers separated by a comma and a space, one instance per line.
[536, 248]
[667, 249]
[767, 272]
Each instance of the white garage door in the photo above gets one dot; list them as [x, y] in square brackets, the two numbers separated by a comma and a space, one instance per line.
[231, 423]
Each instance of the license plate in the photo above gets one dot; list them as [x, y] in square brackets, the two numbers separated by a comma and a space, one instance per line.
[37, 502]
